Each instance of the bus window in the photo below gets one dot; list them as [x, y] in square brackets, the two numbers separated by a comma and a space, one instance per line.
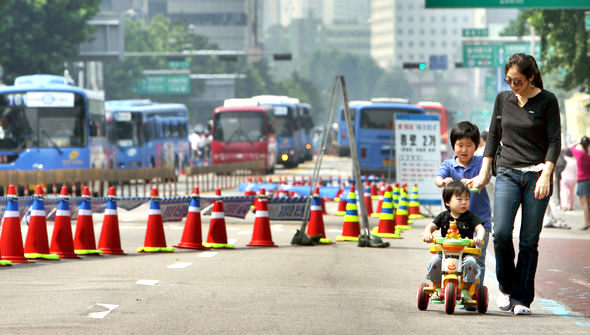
[239, 127]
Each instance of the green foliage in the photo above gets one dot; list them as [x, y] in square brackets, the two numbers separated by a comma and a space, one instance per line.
[39, 36]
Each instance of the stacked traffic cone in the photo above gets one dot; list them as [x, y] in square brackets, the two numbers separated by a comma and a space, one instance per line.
[351, 229]
[191, 236]
[62, 241]
[368, 200]
[341, 203]
[377, 211]
[155, 239]
[217, 236]
[414, 208]
[84, 241]
[386, 226]
[261, 236]
[110, 239]
[396, 195]
[37, 242]
[11, 239]
[401, 213]
[315, 225]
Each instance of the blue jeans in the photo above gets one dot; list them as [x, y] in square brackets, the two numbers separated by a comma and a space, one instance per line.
[513, 189]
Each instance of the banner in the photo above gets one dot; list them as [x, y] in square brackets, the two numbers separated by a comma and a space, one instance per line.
[286, 208]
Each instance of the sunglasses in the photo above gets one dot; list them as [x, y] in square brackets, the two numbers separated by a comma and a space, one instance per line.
[514, 82]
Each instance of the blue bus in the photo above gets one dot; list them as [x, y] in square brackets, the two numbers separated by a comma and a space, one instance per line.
[373, 128]
[307, 126]
[147, 134]
[289, 132]
[48, 123]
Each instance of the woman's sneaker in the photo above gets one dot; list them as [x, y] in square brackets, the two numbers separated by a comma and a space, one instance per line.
[503, 301]
[521, 310]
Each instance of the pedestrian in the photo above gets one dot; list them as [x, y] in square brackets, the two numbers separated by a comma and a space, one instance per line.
[482, 143]
[567, 183]
[581, 152]
[526, 124]
[465, 138]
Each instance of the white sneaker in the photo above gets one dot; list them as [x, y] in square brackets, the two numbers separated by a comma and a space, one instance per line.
[521, 310]
[503, 301]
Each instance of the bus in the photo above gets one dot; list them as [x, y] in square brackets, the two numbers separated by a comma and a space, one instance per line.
[244, 131]
[342, 138]
[148, 134]
[47, 123]
[436, 108]
[290, 136]
[307, 127]
[374, 135]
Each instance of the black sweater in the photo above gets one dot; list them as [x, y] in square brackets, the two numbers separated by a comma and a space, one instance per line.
[530, 134]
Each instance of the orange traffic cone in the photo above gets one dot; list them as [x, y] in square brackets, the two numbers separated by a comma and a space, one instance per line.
[351, 229]
[11, 239]
[37, 242]
[374, 190]
[62, 242]
[261, 236]
[155, 239]
[414, 207]
[368, 200]
[377, 211]
[191, 236]
[342, 204]
[217, 236]
[84, 241]
[110, 239]
[401, 213]
[386, 226]
[315, 226]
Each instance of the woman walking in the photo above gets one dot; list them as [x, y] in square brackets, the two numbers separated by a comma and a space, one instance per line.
[581, 151]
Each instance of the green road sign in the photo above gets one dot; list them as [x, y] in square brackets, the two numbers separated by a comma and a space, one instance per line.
[495, 55]
[490, 89]
[169, 84]
[178, 64]
[587, 22]
[475, 32]
[555, 4]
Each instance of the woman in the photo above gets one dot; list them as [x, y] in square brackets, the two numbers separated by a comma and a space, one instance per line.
[567, 184]
[582, 153]
[526, 124]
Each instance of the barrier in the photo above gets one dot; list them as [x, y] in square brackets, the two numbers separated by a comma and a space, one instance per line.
[37, 242]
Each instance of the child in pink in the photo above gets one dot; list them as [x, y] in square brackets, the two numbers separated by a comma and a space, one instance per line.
[581, 151]
[567, 184]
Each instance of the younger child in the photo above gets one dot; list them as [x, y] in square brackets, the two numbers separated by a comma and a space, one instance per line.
[456, 199]
[465, 166]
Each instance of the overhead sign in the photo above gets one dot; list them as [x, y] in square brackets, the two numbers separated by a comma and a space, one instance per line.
[166, 84]
[495, 55]
[475, 32]
[587, 21]
[555, 4]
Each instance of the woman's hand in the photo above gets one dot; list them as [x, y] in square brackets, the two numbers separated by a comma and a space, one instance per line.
[479, 181]
[543, 186]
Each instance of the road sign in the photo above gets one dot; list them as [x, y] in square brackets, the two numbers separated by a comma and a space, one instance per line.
[490, 89]
[171, 84]
[178, 64]
[475, 32]
[437, 62]
[587, 21]
[555, 4]
[495, 55]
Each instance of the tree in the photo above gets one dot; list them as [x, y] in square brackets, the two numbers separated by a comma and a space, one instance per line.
[40, 36]
[564, 43]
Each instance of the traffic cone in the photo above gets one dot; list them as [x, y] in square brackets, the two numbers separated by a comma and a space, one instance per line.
[401, 213]
[191, 236]
[155, 239]
[351, 229]
[374, 190]
[217, 236]
[261, 235]
[37, 242]
[377, 212]
[386, 228]
[396, 195]
[110, 240]
[315, 225]
[62, 242]
[368, 200]
[342, 202]
[414, 208]
[84, 241]
[11, 239]
[339, 193]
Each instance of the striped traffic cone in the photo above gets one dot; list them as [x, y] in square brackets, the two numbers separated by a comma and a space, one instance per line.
[339, 193]
[37, 242]
[155, 239]
[84, 241]
[386, 228]
[374, 190]
[11, 239]
[414, 208]
[62, 241]
[396, 195]
[217, 236]
[368, 200]
[401, 213]
[377, 211]
[110, 239]
[315, 225]
[351, 229]
[342, 202]
[261, 235]
[191, 235]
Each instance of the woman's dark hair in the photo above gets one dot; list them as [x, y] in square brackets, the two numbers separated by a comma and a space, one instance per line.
[456, 188]
[585, 142]
[527, 65]
[465, 129]
[568, 153]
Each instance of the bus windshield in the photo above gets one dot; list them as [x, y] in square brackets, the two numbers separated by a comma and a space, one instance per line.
[23, 125]
[380, 118]
[239, 127]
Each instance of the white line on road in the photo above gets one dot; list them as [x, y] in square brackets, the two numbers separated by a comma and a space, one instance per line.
[178, 265]
[208, 254]
[101, 314]
[147, 282]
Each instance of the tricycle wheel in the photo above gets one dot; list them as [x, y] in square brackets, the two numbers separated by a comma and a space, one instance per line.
[482, 299]
[422, 297]
[450, 297]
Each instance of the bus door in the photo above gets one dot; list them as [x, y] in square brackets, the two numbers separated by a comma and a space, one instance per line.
[307, 126]
[127, 136]
[342, 139]
[288, 145]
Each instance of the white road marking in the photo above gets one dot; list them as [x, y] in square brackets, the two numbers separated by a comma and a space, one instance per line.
[244, 233]
[232, 241]
[178, 265]
[102, 314]
[147, 282]
[208, 254]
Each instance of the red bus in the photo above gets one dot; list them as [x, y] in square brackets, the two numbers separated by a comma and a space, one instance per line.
[436, 108]
[243, 131]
